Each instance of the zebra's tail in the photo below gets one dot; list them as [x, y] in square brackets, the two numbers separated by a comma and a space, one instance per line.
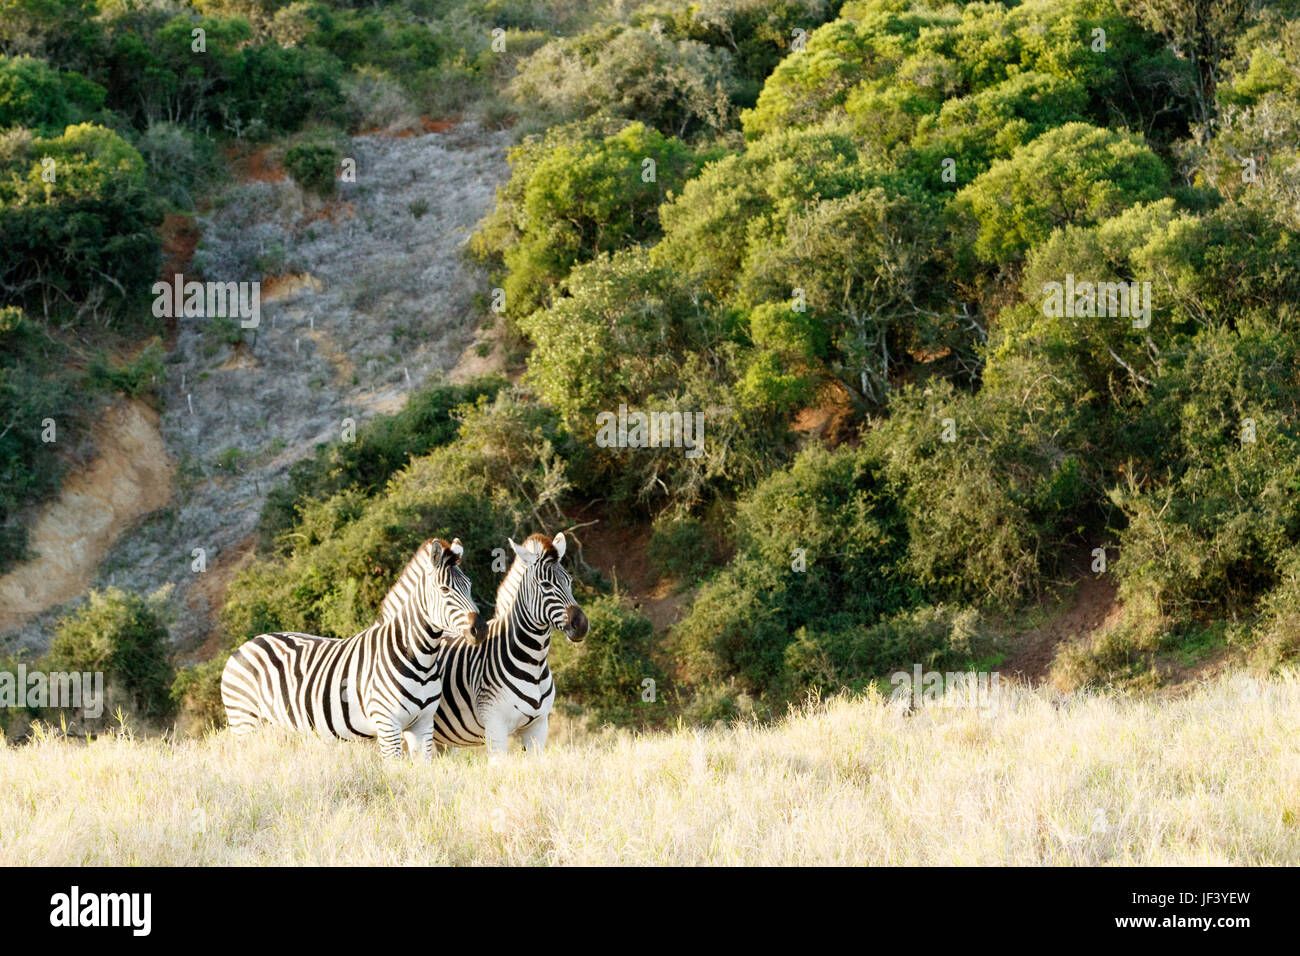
[239, 695]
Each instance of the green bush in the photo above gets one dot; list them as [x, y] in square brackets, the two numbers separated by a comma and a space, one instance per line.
[678, 87]
[314, 167]
[35, 96]
[1214, 517]
[91, 231]
[1074, 174]
[142, 375]
[179, 163]
[196, 691]
[636, 333]
[579, 199]
[603, 674]
[819, 544]
[124, 636]
[32, 389]
[938, 638]
[682, 548]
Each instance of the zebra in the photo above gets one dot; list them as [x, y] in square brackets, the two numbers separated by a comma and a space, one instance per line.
[503, 686]
[383, 682]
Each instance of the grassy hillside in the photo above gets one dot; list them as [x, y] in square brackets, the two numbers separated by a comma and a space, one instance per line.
[1210, 778]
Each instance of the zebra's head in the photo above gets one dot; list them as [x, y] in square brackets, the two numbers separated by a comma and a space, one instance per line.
[546, 589]
[446, 591]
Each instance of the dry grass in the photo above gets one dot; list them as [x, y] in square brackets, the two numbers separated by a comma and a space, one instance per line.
[1209, 778]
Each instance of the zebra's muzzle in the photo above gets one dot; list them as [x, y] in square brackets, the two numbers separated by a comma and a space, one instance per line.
[576, 628]
[477, 630]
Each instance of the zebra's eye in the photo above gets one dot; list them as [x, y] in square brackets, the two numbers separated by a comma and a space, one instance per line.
[548, 586]
[445, 589]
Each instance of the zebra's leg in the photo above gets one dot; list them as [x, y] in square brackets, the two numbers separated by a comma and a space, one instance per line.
[390, 736]
[534, 735]
[419, 736]
[496, 738]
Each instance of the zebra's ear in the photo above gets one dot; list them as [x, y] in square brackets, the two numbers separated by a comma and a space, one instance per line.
[457, 549]
[526, 555]
[558, 542]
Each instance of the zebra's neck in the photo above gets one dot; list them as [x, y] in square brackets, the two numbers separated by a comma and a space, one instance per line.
[408, 587]
[407, 604]
[528, 638]
[508, 591]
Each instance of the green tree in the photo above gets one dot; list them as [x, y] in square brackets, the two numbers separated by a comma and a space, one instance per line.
[584, 198]
[1075, 174]
[35, 96]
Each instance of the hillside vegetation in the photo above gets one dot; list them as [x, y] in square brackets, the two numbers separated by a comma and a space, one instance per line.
[1212, 778]
[769, 214]
[869, 235]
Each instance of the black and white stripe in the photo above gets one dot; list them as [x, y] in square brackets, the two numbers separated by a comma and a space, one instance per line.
[384, 682]
[503, 686]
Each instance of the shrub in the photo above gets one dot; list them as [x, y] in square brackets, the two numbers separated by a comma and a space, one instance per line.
[636, 333]
[124, 636]
[92, 231]
[743, 199]
[1075, 174]
[819, 545]
[314, 167]
[936, 637]
[178, 162]
[584, 197]
[1212, 519]
[196, 691]
[30, 393]
[683, 548]
[35, 96]
[602, 675]
[678, 87]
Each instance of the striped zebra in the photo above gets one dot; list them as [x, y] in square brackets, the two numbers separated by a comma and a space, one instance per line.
[383, 682]
[503, 686]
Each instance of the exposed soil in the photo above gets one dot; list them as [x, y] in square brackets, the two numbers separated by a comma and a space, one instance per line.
[256, 166]
[621, 553]
[830, 421]
[1093, 605]
[180, 236]
[206, 598]
[130, 476]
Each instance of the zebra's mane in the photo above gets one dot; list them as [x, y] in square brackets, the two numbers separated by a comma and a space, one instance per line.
[407, 582]
[508, 590]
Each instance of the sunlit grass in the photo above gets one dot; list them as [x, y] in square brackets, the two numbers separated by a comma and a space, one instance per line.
[1210, 778]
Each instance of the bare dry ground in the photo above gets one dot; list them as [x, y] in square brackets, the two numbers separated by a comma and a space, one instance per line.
[365, 298]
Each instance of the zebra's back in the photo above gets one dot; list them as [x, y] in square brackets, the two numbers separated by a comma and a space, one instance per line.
[300, 681]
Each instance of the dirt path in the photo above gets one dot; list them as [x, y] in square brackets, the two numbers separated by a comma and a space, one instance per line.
[365, 298]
